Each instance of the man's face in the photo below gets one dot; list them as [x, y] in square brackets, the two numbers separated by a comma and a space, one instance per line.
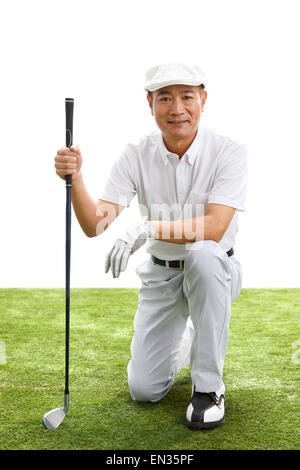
[177, 110]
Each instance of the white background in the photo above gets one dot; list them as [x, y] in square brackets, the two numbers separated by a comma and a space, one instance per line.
[98, 52]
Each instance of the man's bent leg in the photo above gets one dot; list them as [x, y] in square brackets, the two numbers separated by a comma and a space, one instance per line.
[159, 324]
[212, 281]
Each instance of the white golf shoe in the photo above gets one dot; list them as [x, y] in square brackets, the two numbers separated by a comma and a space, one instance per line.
[206, 410]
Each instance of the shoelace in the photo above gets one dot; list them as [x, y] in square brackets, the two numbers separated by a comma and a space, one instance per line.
[212, 396]
[215, 399]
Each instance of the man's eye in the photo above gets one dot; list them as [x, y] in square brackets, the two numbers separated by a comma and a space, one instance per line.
[164, 99]
[188, 97]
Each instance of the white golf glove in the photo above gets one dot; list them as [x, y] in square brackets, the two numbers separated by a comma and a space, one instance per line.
[135, 237]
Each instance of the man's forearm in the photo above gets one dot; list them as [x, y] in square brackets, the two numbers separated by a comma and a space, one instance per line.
[187, 230]
[84, 208]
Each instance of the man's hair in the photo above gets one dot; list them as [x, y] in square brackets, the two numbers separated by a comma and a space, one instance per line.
[150, 93]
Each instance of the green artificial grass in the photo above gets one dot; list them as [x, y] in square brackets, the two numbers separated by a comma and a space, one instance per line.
[261, 375]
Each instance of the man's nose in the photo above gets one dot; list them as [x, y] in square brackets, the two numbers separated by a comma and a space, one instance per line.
[177, 106]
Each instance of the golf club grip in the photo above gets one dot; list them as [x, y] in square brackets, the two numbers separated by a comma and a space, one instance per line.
[69, 129]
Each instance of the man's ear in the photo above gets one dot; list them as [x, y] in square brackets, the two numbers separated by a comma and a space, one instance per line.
[203, 99]
[150, 104]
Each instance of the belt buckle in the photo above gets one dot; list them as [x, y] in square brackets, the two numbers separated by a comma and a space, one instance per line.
[180, 265]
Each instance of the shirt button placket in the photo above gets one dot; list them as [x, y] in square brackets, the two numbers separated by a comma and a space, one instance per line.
[180, 171]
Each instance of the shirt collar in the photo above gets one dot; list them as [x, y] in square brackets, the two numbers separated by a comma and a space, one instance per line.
[191, 152]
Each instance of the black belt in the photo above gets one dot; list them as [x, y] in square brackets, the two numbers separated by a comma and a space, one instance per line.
[178, 264]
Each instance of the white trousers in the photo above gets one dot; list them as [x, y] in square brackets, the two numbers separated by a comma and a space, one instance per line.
[183, 318]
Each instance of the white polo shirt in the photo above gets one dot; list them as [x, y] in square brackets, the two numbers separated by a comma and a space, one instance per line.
[213, 170]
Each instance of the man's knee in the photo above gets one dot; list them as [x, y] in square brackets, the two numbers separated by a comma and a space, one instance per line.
[204, 256]
[144, 391]
[144, 388]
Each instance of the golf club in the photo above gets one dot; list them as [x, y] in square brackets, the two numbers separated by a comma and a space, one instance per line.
[53, 418]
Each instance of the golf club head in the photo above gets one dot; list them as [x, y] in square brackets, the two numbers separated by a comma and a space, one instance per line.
[53, 418]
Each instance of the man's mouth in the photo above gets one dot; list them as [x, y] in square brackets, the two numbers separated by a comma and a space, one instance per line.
[177, 122]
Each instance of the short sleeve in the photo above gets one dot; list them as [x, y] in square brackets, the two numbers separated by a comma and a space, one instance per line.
[231, 180]
[120, 187]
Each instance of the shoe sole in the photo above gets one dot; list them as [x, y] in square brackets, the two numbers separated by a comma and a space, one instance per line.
[200, 425]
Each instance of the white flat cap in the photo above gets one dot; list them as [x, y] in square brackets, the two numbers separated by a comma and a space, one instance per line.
[173, 74]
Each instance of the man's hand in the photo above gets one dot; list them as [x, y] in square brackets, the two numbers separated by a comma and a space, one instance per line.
[68, 161]
[135, 237]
